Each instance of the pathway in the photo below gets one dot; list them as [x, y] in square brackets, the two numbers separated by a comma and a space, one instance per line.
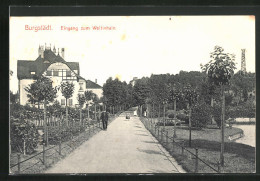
[126, 147]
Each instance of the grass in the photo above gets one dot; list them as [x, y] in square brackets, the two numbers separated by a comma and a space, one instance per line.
[239, 158]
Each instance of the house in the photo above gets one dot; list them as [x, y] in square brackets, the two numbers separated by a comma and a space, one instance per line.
[51, 63]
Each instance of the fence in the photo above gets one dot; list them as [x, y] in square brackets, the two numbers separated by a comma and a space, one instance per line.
[50, 154]
[177, 148]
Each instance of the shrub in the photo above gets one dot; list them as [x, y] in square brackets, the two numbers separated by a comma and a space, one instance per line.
[245, 110]
[21, 131]
[183, 117]
[200, 115]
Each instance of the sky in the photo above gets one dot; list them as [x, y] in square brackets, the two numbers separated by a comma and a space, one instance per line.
[135, 46]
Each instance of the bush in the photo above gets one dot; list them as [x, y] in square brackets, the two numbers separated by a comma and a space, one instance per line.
[200, 115]
[183, 117]
[245, 110]
[21, 131]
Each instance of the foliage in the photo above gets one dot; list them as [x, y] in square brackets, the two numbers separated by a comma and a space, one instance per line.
[81, 100]
[190, 95]
[245, 110]
[21, 131]
[183, 117]
[140, 92]
[41, 90]
[67, 89]
[221, 66]
[13, 97]
[201, 115]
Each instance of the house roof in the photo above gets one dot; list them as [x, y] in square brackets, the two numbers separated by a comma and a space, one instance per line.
[25, 67]
[92, 85]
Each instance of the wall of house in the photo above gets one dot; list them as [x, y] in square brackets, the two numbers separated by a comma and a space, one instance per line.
[79, 87]
[23, 94]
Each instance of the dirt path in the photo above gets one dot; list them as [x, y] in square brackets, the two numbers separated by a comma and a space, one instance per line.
[126, 147]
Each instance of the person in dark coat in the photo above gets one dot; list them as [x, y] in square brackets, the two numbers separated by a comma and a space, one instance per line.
[104, 118]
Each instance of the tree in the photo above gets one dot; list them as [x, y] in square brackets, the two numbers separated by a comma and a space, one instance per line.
[140, 93]
[220, 70]
[67, 90]
[42, 90]
[81, 100]
[88, 97]
[190, 97]
[95, 101]
[13, 97]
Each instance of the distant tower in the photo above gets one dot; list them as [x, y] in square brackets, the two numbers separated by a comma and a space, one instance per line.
[41, 50]
[243, 60]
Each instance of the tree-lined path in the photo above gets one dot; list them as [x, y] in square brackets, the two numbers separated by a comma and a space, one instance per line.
[126, 147]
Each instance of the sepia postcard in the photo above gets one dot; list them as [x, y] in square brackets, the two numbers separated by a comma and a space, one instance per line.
[132, 94]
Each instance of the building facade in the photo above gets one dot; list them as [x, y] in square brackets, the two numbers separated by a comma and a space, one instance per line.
[51, 63]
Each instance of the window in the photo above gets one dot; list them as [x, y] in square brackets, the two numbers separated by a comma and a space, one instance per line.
[49, 73]
[63, 102]
[70, 102]
[68, 73]
[80, 86]
[55, 73]
[32, 73]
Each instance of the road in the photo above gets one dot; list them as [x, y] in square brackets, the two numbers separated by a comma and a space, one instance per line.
[126, 147]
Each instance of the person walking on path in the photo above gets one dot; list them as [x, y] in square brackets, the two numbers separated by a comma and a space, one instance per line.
[104, 118]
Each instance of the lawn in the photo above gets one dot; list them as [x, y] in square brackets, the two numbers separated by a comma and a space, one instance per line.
[239, 158]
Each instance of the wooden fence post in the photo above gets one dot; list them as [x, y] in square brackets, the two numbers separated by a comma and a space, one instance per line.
[19, 160]
[166, 137]
[182, 148]
[24, 147]
[219, 171]
[196, 161]
[60, 147]
[43, 154]
[162, 135]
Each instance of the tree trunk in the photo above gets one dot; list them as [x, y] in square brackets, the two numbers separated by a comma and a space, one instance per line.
[95, 112]
[222, 126]
[80, 117]
[88, 112]
[67, 121]
[45, 124]
[175, 117]
[212, 104]
[175, 113]
[188, 107]
[164, 117]
[159, 115]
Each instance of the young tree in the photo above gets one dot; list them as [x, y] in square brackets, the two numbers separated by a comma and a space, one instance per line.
[220, 70]
[67, 90]
[190, 97]
[95, 101]
[88, 97]
[44, 92]
[81, 100]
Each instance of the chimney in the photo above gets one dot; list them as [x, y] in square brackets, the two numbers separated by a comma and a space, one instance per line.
[54, 49]
[95, 80]
[62, 52]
